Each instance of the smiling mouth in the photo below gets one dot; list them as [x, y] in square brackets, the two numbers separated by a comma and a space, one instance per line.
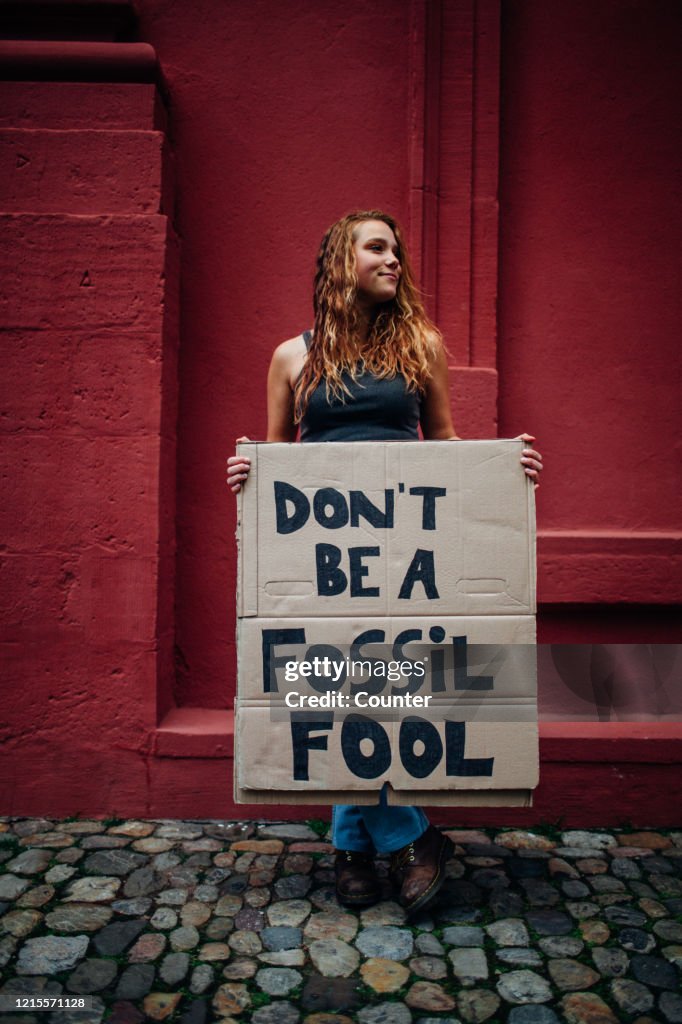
[393, 277]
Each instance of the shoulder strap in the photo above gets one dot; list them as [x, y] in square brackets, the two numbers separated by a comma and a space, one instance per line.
[307, 337]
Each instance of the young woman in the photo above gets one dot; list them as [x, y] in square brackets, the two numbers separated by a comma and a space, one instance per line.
[373, 368]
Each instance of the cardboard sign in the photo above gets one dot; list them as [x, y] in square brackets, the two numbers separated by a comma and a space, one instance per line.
[381, 558]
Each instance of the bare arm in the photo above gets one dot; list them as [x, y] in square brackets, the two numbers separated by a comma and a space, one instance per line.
[285, 366]
[436, 419]
[281, 426]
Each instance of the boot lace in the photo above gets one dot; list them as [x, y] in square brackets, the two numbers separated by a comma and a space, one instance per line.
[354, 856]
[405, 856]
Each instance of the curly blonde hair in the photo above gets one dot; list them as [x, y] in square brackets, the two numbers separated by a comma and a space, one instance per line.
[402, 339]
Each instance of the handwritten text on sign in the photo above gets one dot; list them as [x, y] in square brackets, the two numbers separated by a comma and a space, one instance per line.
[332, 510]
[381, 553]
[369, 681]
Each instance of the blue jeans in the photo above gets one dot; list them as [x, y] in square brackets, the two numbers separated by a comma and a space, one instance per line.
[376, 827]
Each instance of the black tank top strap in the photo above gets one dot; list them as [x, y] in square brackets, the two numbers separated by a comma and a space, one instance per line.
[307, 337]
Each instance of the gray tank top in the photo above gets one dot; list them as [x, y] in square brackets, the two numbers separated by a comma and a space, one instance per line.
[377, 409]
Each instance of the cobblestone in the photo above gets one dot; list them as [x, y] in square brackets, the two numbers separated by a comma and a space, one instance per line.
[164, 918]
[331, 925]
[572, 976]
[91, 890]
[519, 957]
[91, 976]
[611, 963]
[428, 996]
[385, 975]
[631, 997]
[281, 937]
[430, 967]
[524, 987]
[278, 981]
[12, 886]
[670, 1005]
[428, 944]
[30, 862]
[388, 942]
[333, 958]
[532, 1014]
[51, 954]
[74, 918]
[189, 920]
[463, 935]
[508, 933]
[469, 965]
[21, 923]
[148, 947]
[557, 945]
[289, 912]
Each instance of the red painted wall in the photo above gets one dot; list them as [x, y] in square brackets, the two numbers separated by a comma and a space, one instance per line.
[590, 224]
[281, 118]
[89, 268]
[285, 116]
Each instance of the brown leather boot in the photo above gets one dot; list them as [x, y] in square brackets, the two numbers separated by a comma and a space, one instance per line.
[418, 870]
[357, 884]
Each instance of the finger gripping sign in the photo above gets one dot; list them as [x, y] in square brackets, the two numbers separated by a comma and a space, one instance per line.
[386, 624]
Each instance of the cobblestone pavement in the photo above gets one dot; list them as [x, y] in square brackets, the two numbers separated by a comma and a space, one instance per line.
[196, 921]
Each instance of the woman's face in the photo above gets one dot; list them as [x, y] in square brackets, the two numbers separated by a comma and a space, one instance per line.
[377, 262]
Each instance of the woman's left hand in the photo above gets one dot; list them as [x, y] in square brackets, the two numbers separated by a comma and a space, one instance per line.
[531, 460]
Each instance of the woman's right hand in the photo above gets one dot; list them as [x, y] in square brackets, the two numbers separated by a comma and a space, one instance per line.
[238, 467]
